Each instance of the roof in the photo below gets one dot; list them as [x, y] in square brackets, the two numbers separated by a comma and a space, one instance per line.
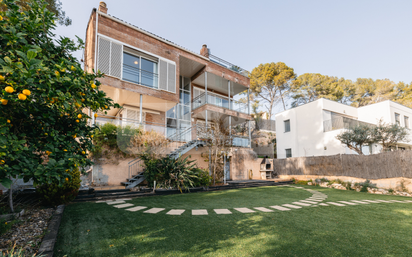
[150, 34]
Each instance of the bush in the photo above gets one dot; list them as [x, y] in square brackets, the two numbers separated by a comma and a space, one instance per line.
[173, 173]
[204, 179]
[301, 182]
[364, 185]
[55, 194]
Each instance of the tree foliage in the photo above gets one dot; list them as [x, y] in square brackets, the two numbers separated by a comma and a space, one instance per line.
[309, 87]
[44, 133]
[385, 134]
[271, 83]
[54, 6]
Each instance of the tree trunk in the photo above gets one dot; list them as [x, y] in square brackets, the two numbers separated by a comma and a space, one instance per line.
[281, 97]
[11, 198]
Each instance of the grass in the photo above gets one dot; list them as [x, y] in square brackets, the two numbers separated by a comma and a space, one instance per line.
[90, 229]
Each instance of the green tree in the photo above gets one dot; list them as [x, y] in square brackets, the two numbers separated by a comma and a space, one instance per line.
[389, 134]
[404, 94]
[271, 83]
[309, 87]
[357, 137]
[369, 91]
[44, 133]
[54, 6]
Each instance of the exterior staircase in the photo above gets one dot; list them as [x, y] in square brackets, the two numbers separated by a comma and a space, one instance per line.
[136, 168]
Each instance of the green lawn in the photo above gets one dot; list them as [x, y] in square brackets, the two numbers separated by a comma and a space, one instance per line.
[96, 229]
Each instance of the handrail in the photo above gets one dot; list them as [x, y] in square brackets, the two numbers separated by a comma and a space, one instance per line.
[228, 65]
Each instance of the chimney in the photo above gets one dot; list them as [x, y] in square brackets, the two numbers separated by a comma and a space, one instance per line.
[103, 7]
[204, 51]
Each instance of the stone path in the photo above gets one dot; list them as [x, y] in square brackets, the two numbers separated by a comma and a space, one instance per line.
[315, 200]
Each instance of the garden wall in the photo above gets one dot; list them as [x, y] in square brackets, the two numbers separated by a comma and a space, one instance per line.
[376, 166]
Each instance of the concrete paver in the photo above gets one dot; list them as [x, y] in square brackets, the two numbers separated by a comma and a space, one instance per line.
[175, 212]
[137, 208]
[199, 212]
[292, 206]
[263, 209]
[123, 205]
[244, 210]
[222, 211]
[154, 210]
[280, 208]
[337, 204]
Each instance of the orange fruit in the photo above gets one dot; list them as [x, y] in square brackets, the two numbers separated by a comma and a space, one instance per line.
[22, 97]
[93, 86]
[26, 92]
[9, 89]
[79, 116]
[4, 101]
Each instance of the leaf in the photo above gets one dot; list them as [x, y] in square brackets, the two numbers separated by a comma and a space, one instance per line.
[6, 182]
[7, 60]
[31, 54]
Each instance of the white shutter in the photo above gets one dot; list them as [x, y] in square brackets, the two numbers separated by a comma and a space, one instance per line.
[171, 77]
[103, 60]
[116, 60]
[162, 75]
[132, 114]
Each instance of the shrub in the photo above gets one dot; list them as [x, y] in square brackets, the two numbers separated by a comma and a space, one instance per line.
[324, 180]
[172, 173]
[55, 194]
[364, 185]
[301, 182]
[203, 179]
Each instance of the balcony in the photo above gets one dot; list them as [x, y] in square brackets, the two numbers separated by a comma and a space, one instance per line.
[343, 123]
[219, 101]
[228, 65]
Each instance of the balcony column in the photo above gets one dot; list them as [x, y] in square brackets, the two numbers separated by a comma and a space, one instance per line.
[248, 101]
[205, 87]
[141, 109]
[250, 135]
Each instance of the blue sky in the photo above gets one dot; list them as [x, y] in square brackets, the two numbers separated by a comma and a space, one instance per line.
[350, 39]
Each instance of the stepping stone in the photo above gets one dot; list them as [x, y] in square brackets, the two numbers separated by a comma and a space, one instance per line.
[408, 201]
[124, 199]
[317, 200]
[263, 209]
[303, 204]
[137, 208]
[384, 201]
[280, 208]
[397, 201]
[222, 211]
[305, 201]
[370, 201]
[337, 204]
[199, 212]
[115, 202]
[103, 201]
[175, 212]
[123, 205]
[154, 210]
[244, 210]
[292, 206]
[355, 201]
[348, 203]
[323, 204]
[298, 187]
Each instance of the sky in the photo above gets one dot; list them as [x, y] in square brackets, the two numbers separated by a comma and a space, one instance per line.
[350, 39]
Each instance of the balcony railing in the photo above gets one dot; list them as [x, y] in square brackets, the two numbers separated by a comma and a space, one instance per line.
[123, 122]
[228, 65]
[343, 123]
[139, 76]
[220, 101]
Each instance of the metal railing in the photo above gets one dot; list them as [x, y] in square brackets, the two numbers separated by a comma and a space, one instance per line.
[123, 122]
[228, 65]
[343, 123]
[139, 76]
[220, 101]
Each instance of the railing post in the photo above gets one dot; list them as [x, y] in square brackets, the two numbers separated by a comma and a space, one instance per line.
[228, 90]
[250, 136]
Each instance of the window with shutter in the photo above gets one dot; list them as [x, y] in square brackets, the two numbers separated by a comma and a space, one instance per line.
[171, 80]
[109, 60]
[163, 75]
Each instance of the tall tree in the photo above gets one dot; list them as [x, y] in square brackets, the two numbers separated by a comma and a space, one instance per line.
[309, 87]
[271, 83]
[54, 6]
[369, 91]
[404, 94]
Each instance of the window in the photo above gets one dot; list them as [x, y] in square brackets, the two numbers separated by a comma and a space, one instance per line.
[406, 120]
[398, 118]
[140, 70]
[287, 125]
[288, 153]
[129, 64]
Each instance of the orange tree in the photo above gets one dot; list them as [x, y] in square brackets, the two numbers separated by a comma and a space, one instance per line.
[44, 134]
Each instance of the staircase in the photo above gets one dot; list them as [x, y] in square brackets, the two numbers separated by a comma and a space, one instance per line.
[136, 168]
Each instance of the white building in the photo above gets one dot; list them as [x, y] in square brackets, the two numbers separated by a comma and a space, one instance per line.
[311, 129]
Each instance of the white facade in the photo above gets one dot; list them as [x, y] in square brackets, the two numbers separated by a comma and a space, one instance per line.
[311, 132]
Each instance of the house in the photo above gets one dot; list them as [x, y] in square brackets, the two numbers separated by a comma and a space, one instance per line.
[311, 129]
[163, 86]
